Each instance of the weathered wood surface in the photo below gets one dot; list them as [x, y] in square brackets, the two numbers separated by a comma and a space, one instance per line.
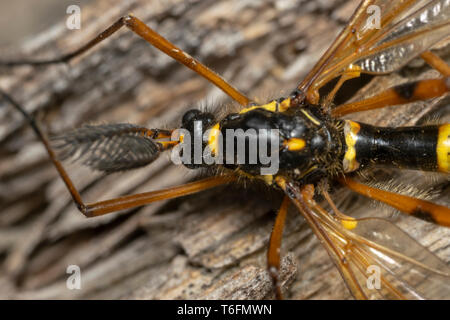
[210, 245]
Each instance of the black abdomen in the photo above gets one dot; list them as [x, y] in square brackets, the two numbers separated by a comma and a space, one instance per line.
[404, 147]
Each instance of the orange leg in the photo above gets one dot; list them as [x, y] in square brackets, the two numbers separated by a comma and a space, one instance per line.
[136, 200]
[436, 62]
[402, 94]
[121, 203]
[418, 208]
[273, 254]
[303, 200]
[156, 40]
[346, 220]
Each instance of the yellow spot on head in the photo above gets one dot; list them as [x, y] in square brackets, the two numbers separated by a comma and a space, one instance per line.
[295, 144]
[168, 144]
[212, 139]
[443, 148]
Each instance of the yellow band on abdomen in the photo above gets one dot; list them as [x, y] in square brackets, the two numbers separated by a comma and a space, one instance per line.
[351, 130]
[443, 148]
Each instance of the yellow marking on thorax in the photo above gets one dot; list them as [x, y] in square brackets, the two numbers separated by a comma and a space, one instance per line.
[303, 174]
[351, 130]
[443, 148]
[272, 106]
[281, 182]
[294, 144]
[310, 117]
[284, 105]
[268, 179]
[212, 138]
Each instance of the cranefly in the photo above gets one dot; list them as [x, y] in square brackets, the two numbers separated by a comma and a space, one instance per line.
[315, 144]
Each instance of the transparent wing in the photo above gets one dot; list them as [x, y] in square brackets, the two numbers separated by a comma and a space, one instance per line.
[415, 271]
[395, 47]
[377, 259]
[404, 30]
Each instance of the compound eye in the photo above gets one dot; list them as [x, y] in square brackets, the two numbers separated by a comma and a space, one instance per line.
[189, 116]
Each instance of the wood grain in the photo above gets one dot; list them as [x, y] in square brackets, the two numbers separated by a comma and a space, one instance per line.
[207, 246]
